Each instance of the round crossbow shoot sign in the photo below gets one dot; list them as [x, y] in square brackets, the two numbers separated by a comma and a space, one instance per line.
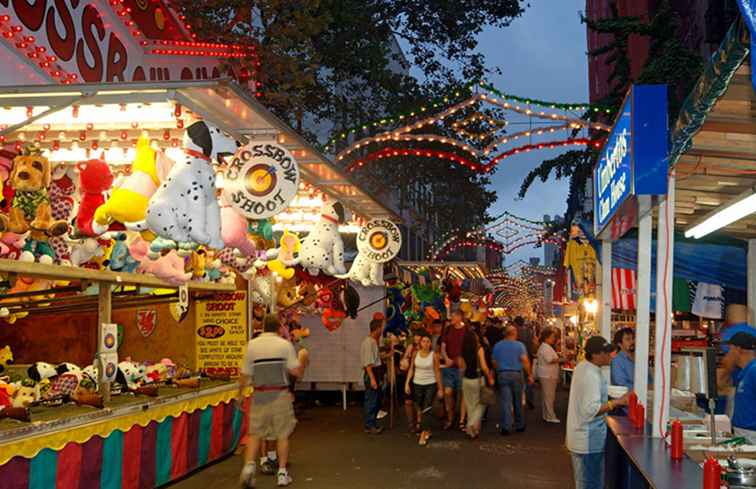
[379, 240]
[262, 179]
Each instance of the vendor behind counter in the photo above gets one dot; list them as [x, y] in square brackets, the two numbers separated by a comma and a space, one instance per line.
[743, 352]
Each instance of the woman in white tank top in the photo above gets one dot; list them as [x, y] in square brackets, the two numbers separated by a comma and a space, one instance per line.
[425, 374]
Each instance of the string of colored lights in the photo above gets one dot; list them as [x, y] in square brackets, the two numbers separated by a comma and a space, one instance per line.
[477, 167]
[432, 120]
[544, 103]
[465, 91]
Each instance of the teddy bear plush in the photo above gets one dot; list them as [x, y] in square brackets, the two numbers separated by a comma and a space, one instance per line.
[95, 179]
[25, 394]
[323, 248]
[30, 211]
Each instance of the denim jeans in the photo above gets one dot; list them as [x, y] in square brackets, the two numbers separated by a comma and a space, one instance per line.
[589, 470]
[510, 391]
[372, 403]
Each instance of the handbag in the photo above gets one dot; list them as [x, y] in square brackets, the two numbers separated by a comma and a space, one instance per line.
[487, 393]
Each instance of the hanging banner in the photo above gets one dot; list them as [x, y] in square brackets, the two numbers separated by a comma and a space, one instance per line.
[221, 333]
[261, 180]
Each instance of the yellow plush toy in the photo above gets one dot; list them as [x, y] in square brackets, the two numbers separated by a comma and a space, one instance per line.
[287, 246]
[129, 200]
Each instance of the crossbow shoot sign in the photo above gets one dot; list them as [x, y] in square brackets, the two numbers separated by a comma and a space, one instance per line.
[378, 242]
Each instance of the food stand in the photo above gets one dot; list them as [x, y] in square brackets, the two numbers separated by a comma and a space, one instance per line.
[711, 159]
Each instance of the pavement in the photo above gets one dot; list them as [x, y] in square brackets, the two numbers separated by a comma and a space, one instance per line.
[329, 449]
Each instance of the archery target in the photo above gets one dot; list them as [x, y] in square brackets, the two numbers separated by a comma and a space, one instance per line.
[261, 180]
[379, 240]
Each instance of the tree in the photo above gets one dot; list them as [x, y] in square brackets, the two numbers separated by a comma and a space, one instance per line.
[331, 58]
[669, 61]
[330, 61]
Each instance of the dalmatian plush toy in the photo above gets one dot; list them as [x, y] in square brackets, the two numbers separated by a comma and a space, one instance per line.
[40, 371]
[365, 271]
[323, 248]
[130, 374]
[185, 208]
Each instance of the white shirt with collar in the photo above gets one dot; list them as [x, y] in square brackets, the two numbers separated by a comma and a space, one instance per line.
[586, 432]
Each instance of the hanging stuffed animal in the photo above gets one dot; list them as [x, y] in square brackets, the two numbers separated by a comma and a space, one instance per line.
[6, 357]
[120, 258]
[11, 245]
[234, 228]
[129, 199]
[323, 248]
[169, 267]
[395, 321]
[185, 209]
[351, 300]
[62, 190]
[284, 260]
[30, 211]
[197, 262]
[95, 179]
[378, 242]
[287, 294]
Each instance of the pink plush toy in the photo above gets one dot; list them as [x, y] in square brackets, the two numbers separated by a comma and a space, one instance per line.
[234, 228]
[11, 245]
[169, 267]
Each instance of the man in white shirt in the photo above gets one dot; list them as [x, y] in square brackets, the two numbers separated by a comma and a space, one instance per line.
[268, 363]
[586, 414]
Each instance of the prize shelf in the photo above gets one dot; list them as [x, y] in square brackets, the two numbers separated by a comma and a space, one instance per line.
[59, 272]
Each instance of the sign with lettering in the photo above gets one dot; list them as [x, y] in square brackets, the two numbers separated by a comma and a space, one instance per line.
[379, 240]
[633, 160]
[95, 41]
[261, 180]
[221, 333]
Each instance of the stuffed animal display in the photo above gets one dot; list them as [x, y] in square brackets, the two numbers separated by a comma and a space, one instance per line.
[30, 210]
[184, 209]
[128, 202]
[284, 256]
[323, 248]
[94, 180]
[6, 357]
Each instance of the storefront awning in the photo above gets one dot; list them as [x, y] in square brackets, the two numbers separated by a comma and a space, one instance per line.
[221, 101]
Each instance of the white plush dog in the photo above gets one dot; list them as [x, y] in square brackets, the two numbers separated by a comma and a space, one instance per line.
[365, 271]
[185, 209]
[323, 248]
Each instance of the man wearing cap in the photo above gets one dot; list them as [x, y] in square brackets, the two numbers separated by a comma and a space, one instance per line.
[743, 351]
[586, 414]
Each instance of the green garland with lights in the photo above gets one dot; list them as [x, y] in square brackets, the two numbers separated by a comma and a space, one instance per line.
[455, 97]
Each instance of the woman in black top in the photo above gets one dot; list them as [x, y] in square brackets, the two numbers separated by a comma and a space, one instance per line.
[474, 359]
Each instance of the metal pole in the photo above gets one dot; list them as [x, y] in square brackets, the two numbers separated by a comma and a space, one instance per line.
[605, 320]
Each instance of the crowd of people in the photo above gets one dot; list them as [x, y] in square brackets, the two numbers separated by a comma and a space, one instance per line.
[452, 370]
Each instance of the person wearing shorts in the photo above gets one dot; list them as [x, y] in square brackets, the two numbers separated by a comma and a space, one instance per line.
[451, 374]
[268, 363]
[424, 377]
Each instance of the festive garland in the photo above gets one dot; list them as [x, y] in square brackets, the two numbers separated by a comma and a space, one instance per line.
[544, 103]
[432, 120]
[467, 89]
[476, 167]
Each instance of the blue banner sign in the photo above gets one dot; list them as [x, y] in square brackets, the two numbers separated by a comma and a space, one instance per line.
[633, 160]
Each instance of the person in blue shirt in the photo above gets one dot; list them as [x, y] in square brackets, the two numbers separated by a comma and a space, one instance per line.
[729, 374]
[510, 358]
[743, 350]
[623, 364]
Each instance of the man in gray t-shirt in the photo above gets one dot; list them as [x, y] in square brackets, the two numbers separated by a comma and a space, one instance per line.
[268, 362]
[370, 360]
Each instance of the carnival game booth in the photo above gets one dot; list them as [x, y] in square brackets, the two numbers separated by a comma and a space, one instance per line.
[93, 275]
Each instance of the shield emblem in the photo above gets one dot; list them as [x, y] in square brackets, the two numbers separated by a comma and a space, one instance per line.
[146, 321]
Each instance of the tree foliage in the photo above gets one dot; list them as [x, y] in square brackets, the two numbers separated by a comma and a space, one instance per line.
[334, 62]
[669, 61]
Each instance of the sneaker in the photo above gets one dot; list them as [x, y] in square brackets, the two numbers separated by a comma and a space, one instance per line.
[284, 479]
[268, 466]
[382, 414]
[247, 478]
[374, 431]
[554, 421]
